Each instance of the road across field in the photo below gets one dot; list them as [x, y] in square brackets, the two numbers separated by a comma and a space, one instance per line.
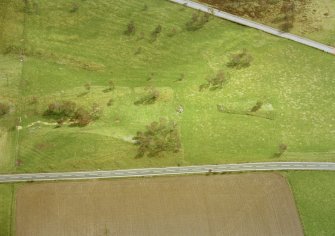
[252, 24]
[263, 166]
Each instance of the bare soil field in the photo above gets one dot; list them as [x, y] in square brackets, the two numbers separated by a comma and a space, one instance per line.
[239, 204]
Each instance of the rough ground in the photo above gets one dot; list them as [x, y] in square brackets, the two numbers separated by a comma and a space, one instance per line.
[248, 204]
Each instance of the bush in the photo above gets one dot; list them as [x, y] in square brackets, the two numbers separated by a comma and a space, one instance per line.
[87, 86]
[156, 32]
[197, 21]
[257, 107]
[111, 85]
[281, 150]
[172, 32]
[82, 117]
[150, 98]
[286, 26]
[61, 109]
[4, 109]
[110, 102]
[162, 136]
[74, 7]
[67, 110]
[131, 29]
[214, 83]
[240, 60]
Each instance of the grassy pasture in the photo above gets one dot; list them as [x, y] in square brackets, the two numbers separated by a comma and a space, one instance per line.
[314, 194]
[67, 45]
[6, 198]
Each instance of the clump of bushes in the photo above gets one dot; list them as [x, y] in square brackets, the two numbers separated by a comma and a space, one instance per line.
[68, 110]
[240, 60]
[4, 109]
[162, 136]
[150, 98]
[215, 82]
[197, 21]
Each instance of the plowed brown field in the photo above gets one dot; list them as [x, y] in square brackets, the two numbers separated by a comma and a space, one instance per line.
[239, 204]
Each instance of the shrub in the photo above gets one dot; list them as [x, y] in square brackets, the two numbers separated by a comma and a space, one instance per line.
[162, 136]
[61, 109]
[110, 102]
[131, 29]
[281, 150]
[82, 117]
[197, 21]
[111, 85]
[157, 30]
[240, 60]
[4, 109]
[257, 107]
[74, 7]
[214, 83]
[145, 7]
[138, 51]
[87, 86]
[67, 110]
[33, 100]
[286, 26]
[96, 111]
[149, 98]
[172, 32]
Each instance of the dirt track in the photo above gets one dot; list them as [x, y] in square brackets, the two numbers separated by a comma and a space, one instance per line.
[244, 204]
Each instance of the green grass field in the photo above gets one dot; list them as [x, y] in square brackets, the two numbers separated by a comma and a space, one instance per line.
[66, 45]
[314, 194]
[6, 198]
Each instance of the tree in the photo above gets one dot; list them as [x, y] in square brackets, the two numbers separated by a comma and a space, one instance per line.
[162, 136]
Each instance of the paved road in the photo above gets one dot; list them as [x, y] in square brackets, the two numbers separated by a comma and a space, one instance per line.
[252, 24]
[262, 166]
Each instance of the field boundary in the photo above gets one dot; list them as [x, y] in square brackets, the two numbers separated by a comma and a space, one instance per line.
[126, 173]
[255, 25]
